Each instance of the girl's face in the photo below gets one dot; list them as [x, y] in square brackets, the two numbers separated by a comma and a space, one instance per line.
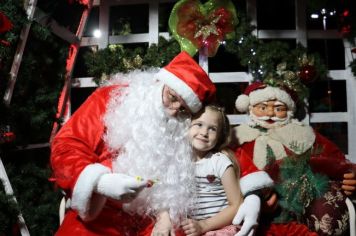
[204, 131]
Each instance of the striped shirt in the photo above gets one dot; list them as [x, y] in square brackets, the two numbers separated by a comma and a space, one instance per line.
[211, 197]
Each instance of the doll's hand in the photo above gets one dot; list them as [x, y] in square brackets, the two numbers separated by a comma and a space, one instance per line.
[270, 205]
[247, 215]
[192, 227]
[349, 183]
[163, 225]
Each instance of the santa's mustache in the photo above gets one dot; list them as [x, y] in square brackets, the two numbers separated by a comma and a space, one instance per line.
[274, 118]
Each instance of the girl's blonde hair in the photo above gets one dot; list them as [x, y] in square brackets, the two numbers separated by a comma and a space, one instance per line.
[224, 135]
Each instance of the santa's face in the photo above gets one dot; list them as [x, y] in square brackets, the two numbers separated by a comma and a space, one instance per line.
[270, 114]
[173, 103]
[203, 132]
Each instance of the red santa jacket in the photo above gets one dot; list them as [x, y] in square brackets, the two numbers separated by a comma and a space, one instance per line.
[79, 157]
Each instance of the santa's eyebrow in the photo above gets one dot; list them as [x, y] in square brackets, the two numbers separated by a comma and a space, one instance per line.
[277, 103]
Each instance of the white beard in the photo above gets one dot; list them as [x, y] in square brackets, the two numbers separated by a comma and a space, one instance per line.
[153, 146]
[262, 121]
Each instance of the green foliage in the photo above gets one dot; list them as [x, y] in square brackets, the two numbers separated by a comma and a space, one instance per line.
[38, 84]
[262, 58]
[13, 10]
[298, 186]
[117, 58]
[37, 200]
[9, 211]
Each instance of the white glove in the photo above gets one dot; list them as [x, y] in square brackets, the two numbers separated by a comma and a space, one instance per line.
[248, 213]
[119, 186]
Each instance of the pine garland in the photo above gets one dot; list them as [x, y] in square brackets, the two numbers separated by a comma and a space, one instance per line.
[117, 58]
[298, 186]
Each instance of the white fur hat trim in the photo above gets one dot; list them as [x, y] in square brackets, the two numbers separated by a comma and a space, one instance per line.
[242, 103]
[271, 93]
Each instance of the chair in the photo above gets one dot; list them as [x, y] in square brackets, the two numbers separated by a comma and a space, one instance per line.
[63, 206]
[352, 220]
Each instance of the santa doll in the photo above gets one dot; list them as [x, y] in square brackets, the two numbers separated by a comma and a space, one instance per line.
[311, 175]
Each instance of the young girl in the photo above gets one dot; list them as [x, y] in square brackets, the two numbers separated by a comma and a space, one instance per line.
[218, 192]
[217, 175]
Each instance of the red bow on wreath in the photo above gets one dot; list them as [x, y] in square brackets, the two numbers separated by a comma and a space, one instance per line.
[202, 27]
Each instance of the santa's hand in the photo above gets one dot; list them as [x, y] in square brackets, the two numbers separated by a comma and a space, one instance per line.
[248, 214]
[119, 186]
[349, 183]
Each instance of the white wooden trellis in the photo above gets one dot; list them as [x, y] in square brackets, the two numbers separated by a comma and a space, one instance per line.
[301, 34]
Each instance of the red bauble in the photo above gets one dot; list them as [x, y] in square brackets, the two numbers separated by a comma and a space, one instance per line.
[307, 74]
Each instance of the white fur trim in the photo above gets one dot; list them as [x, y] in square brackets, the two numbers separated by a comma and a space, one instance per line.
[242, 103]
[255, 181]
[180, 87]
[260, 150]
[271, 93]
[245, 133]
[83, 191]
[296, 136]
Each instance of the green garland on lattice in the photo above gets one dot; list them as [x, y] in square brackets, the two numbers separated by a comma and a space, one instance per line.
[261, 58]
[118, 58]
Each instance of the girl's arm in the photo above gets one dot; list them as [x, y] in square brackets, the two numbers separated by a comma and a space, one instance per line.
[163, 225]
[225, 217]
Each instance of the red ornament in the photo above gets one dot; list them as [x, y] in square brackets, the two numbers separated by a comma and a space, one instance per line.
[353, 50]
[7, 137]
[307, 74]
[5, 43]
[5, 23]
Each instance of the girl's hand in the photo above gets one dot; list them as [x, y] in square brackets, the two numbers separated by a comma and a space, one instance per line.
[192, 227]
[349, 183]
[163, 226]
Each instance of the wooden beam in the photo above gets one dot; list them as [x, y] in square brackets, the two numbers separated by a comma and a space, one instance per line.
[45, 20]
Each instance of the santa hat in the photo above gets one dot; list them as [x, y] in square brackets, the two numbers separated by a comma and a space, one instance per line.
[259, 92]
[189, 80]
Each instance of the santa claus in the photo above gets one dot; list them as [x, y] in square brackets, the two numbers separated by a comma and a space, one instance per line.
[125, 137]
[271, 138]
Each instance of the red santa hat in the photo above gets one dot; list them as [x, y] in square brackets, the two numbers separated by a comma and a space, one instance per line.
[260, 92]
[189, 80]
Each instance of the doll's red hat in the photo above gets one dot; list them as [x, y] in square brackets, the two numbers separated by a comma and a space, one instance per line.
[189, 80]
[260, 92]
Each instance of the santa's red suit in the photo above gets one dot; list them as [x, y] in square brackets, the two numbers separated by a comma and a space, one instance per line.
[70, 157]
[86, 151]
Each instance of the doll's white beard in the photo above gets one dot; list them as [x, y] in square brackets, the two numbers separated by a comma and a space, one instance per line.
[278, 122]
[152, 146]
